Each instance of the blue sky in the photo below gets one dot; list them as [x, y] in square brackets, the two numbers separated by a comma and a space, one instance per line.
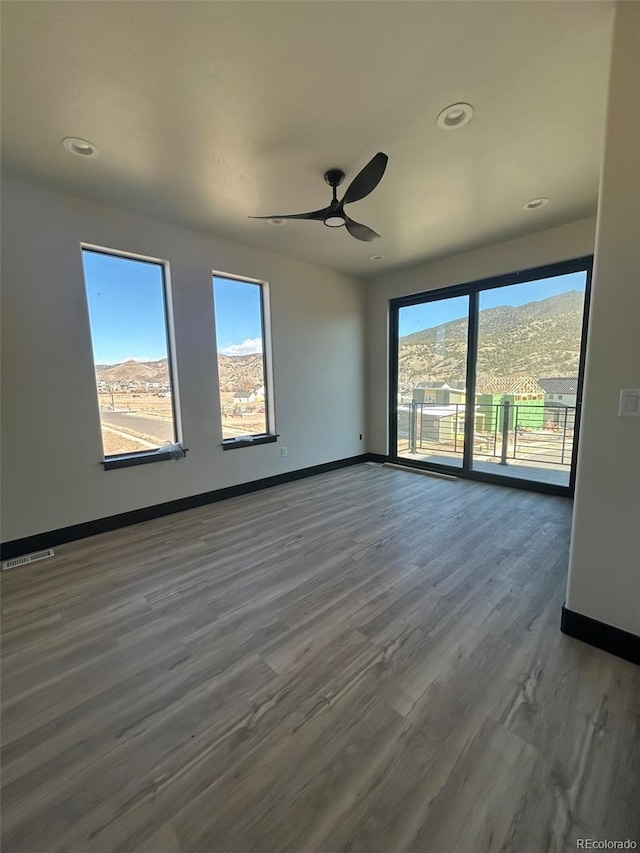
[126, 311]
[415, 318]
[126, 308]
[238, 316]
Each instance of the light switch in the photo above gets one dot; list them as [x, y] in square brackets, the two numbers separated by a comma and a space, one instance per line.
[629, 403]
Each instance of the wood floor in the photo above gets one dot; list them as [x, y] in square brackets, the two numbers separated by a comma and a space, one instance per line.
[366, 661]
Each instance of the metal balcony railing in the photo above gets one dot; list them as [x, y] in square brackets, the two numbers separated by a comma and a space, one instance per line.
[503, 432]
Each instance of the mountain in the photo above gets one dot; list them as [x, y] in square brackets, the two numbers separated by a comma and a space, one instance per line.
[536, 339]
[236, 372]
[134, 371]
[240, 372]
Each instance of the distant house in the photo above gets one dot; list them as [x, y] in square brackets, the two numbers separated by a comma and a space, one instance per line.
[559, 389]
[425, 392]
[520, 387]
[244, 397]
[560, 396]
[441, 424]
[524, 394]
[444, 393]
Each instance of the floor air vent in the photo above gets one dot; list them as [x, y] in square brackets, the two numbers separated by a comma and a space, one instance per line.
[26, 558]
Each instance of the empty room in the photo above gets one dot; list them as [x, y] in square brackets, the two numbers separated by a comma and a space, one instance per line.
[320, 426]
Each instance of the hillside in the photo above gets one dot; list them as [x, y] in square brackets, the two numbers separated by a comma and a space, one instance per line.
[237, 372]
[240, 372]
[134, 371]
[537, 339]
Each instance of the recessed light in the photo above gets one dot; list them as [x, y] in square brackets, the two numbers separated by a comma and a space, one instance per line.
[276, 220]
[376, 257]
[455, 116]
[535, 204]
[75, 145]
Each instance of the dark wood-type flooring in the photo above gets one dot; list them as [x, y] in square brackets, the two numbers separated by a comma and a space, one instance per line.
[366, 661]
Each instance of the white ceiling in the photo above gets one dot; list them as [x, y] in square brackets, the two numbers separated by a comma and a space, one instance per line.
[207, 112]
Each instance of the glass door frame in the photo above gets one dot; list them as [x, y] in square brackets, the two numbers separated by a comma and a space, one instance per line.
[473, 290]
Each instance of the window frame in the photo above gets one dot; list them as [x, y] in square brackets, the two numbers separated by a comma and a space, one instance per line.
[141, 457]
[270, 435]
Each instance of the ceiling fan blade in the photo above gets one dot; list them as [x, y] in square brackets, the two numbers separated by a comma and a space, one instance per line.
[367, 180]
[359, 231]
[313, 214]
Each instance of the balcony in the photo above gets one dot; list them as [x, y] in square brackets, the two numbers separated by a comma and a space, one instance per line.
[527, 441]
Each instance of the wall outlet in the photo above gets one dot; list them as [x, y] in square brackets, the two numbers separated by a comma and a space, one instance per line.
[377, 436]
[284, 451]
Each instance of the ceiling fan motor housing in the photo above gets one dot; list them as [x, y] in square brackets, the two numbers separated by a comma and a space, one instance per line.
[334, 177]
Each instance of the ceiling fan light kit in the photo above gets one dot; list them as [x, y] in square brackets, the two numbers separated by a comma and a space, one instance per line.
[334, 215]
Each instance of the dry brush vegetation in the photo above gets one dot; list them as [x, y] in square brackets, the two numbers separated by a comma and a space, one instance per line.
[539, 339]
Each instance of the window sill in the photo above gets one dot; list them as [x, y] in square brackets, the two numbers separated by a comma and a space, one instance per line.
[247, 441]
[143, 458]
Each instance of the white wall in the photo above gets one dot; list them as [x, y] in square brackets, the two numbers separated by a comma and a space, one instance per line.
[51, 442]
[546, 247]
[604, 574]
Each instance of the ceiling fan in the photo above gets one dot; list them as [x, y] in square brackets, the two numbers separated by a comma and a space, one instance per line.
[334, 215]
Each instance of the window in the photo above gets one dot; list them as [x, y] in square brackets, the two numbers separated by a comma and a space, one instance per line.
[129, 331]
[242, 373]
[559, 396]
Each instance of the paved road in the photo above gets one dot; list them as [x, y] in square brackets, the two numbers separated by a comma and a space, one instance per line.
[162, 430]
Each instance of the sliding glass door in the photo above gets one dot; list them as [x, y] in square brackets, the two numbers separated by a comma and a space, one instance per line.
[526, 381]
[432, 365]
[486, 377]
